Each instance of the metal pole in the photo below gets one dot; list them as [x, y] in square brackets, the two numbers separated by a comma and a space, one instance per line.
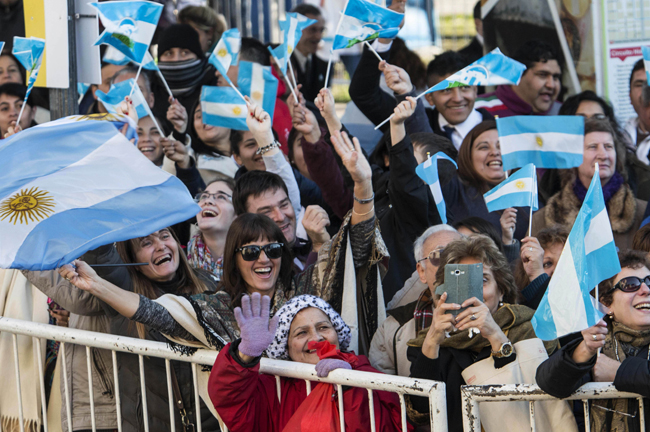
[63, 102]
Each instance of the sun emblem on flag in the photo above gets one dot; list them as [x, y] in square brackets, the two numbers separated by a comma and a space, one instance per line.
[539, 140]
[222, 52]
[290, 50]
[257, 95]
[519, 184]
[27, 205]
[236, 111]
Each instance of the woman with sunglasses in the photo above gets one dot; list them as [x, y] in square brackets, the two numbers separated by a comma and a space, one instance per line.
[623, 337]
[205, 249]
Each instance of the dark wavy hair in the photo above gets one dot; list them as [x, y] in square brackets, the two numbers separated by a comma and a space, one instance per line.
[248, 228]
[466, 171]
[628, 259]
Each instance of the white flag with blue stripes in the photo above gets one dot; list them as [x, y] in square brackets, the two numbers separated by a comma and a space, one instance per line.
[428, 171]
[494, 68]
[363, 20]
[545, 141]
[129, 26]
[72, 198]
[589, 257]
[222, 106]
[115, 57]
[226, 52]
[291, 29]
[29, 52]
[518, 190]
[118, 92]
[281, 56]
[258, 83]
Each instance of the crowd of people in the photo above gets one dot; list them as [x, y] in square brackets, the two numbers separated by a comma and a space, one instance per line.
[309, 249]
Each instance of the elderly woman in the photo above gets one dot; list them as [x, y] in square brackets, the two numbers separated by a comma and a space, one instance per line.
[624, 210]
[624, 337]
[445, 349]
[246, 400]
[479, 169]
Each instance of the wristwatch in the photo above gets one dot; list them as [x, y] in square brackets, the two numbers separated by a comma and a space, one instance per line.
[505, 351]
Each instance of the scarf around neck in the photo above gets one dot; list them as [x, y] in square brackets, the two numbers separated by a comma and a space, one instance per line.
[609, 189]
[199, 256]
[185, 76]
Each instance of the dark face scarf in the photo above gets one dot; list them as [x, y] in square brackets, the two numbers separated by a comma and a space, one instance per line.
[609, 189]
[185, 76]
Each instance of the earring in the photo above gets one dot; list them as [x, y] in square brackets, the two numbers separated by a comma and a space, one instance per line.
[500, 304]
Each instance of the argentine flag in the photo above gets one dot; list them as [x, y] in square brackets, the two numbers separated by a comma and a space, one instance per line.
[118, 92]
[130, 26]
[363, 20]
[518, 190]
[545, 141]
[492, 69]
[281, 56]
[2, 45]
[428, 171]
[645, 50]
[29, 52]
[226, 52]
[115, 57]
[292, 28]
[222, 106]
[589, 257]
[72, 198]
[258, 83]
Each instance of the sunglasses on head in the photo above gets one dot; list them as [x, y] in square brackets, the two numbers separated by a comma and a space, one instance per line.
[433, 257]
[631, 284]
[252, 252]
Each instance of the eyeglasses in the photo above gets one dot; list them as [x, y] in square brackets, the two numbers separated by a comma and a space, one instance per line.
[631, 284]
[433, 257]
[204, 196]
[252, 252]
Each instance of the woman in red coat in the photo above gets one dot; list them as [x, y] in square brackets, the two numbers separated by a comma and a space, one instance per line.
[306, 326]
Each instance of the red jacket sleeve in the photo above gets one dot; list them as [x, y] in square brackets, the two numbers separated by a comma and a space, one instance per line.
[244, 399]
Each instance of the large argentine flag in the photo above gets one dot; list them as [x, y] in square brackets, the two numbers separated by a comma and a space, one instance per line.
[258, 83]
[130, 26]
[29, 52]
[226, 52]
[518, 190]
[589, 257]
[363, 20]
[428, 171]
[222, 106]
[292, 28]
[545, 141]
[72, 198]
[492, 69]
[118, 92]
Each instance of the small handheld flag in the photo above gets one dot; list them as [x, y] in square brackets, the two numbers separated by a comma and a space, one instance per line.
[226, 52]
[589, 257]
[222, 106]
[363, 20]
[72, 198]
[2, 45]
[121, 90]
[129, 26]
[292, 28]
[428, 171]
[281, 56]
[29, 52]
[546, 141]
[518, 190]
[258, 83]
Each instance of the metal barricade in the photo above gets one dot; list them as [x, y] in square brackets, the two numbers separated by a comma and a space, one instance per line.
[434, 391]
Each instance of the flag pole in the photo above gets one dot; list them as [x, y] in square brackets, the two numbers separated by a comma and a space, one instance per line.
[530, 220]
[597, 173]
[293, 74]
[237, 90]
[392, 115]
[135, 81]
[329, 66]
[20, 114]
[373, 51]
[164, 81]
[286, 78]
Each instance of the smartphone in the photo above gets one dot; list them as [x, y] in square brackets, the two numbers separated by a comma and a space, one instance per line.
[462, 281]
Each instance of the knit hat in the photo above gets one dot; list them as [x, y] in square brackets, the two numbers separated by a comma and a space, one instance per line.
[180, 36]
[278, 348]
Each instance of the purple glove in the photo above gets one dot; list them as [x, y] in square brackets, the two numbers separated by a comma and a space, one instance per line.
[325, 366]
[257, 331]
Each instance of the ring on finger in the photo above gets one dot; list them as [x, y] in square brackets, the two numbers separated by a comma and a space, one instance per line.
[473, 317]
[594, 337]
[530, 249]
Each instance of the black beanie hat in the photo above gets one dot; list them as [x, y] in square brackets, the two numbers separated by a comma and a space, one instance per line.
[180, 36]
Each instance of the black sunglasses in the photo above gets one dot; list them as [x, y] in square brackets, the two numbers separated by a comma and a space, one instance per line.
[631, 284]
[433, 257]
[252, 252]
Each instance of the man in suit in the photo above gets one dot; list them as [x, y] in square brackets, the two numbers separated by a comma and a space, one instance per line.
[310, 70]
[474, 50]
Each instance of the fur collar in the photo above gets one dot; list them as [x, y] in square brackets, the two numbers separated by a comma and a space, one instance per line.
[563, 208]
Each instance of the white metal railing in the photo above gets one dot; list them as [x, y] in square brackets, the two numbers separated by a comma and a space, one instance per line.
[433, 390]
[472, 395]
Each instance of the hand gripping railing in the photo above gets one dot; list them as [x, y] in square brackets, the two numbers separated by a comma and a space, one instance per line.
[472, 395]
[433, 390]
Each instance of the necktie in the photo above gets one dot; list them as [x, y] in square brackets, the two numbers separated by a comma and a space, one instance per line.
[449, 131]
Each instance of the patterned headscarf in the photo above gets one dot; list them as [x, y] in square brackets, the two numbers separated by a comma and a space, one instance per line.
[278, 348]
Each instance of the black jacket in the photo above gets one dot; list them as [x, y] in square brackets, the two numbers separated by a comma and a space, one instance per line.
[312, 79]
[560, 376]
[448, 368]
[472, 51]
[154, 368]
[432, 115]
